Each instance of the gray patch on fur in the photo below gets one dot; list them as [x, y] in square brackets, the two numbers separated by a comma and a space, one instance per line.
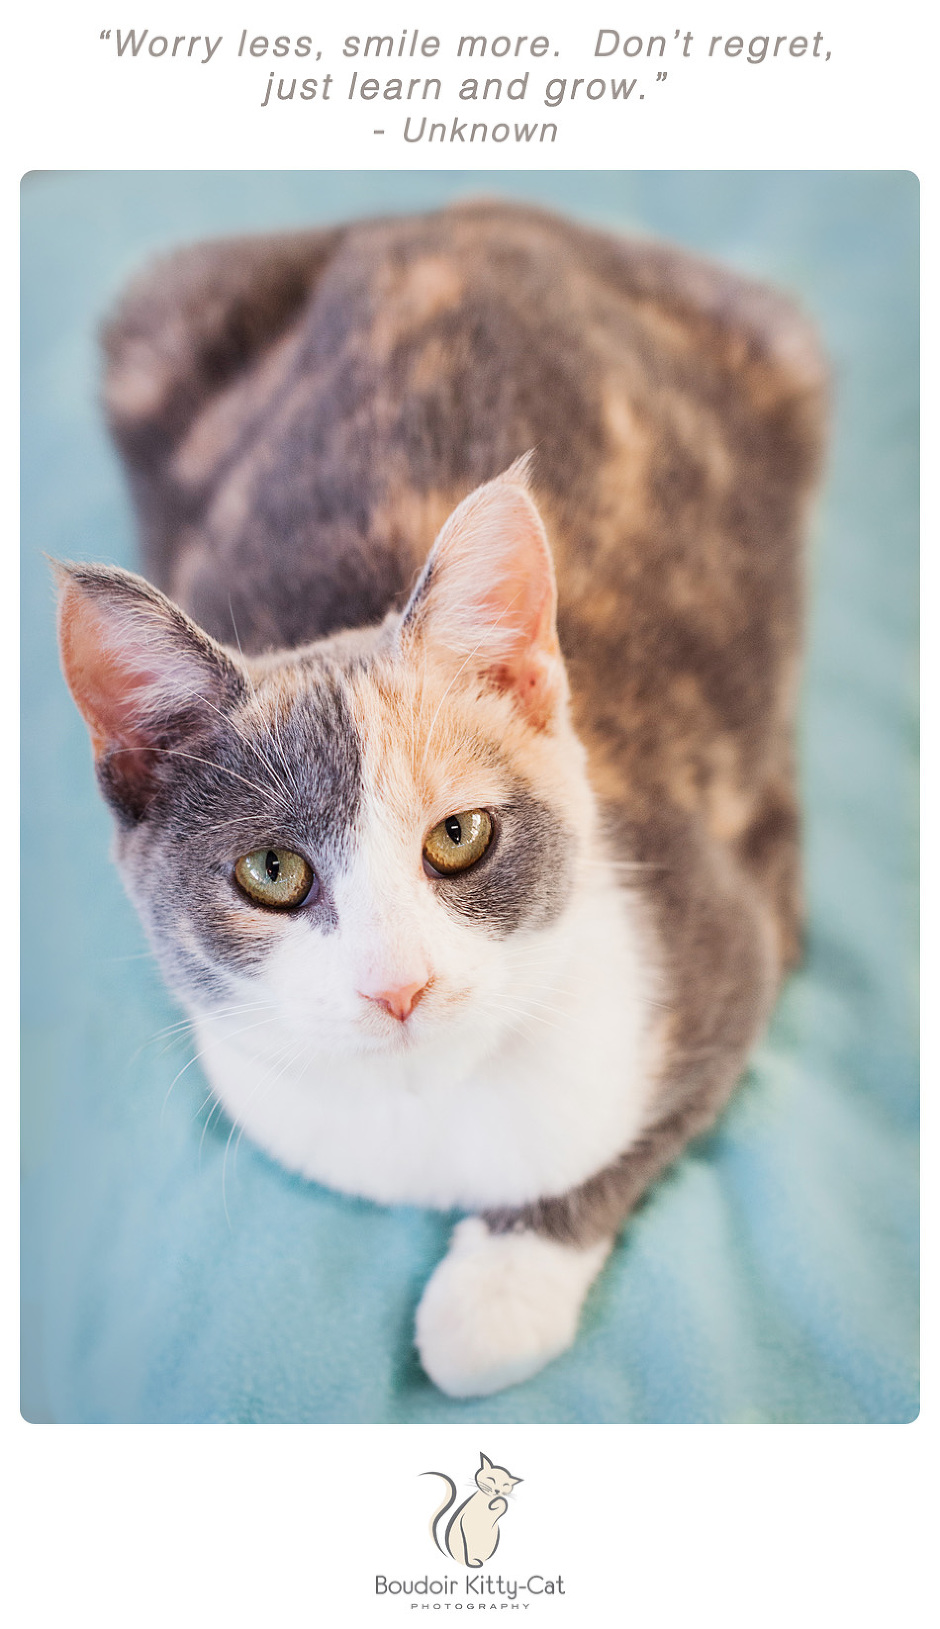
[295, 783]
[720, 975]
[525, 877]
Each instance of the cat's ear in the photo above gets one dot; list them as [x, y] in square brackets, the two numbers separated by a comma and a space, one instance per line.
[143, 676]
[485, 1464]
[487, 595]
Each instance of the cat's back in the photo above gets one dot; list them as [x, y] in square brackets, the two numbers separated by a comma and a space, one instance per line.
[300, 415]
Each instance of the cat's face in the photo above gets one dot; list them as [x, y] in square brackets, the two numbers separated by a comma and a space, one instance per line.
[494, 1479]
[363, 847]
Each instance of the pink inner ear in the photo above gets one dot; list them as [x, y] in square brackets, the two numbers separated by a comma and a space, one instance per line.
[107, 670]
[492, 595]
[523, 593]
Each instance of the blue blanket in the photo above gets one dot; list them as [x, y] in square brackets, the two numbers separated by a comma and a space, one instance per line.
[173, 1273]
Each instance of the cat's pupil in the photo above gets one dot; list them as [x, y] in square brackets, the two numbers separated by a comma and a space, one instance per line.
[272, 865]
[453, 829]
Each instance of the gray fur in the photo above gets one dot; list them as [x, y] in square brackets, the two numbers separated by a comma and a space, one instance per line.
[524, 879]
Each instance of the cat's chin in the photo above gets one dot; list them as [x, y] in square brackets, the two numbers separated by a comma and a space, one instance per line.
[402, 1040]
[424, 1036]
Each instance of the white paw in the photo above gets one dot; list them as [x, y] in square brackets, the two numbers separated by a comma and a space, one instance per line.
[501, 1306]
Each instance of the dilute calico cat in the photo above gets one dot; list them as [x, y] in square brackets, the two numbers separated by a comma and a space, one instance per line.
[452, 760]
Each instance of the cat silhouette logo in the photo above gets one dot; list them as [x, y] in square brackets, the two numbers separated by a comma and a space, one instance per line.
[472, 1534]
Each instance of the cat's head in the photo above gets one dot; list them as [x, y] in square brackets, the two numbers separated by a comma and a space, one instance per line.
[494, 1479]
[370, 841]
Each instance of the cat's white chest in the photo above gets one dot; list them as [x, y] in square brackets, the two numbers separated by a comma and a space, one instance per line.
[538, 1114]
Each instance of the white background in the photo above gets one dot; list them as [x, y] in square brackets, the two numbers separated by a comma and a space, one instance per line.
[653, 1525]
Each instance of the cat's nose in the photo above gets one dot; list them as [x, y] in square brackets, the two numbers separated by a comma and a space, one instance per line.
[401, 1001]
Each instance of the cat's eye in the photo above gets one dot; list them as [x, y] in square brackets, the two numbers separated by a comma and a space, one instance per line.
[275, 876]
[458, 842]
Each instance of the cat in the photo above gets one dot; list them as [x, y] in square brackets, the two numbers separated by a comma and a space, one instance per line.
[451, 761]
[472, 1533]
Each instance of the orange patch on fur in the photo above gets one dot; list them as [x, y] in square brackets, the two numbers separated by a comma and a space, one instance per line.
[410, 520]
[436, 741]
[410, 296]
[137, 386]
[216, 430]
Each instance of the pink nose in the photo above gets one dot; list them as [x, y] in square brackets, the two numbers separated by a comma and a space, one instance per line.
[400, 1002]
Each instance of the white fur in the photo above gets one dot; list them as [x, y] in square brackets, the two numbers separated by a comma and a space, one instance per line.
[499, 1307]
[525, 1069]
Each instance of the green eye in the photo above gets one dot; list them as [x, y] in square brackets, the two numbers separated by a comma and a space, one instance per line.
[459, 841]
[274, 876]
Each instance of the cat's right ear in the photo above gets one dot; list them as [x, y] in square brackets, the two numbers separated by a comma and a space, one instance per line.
[143, 676]
[487, 596]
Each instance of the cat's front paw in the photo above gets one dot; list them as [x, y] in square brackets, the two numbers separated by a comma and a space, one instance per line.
[501, 1306]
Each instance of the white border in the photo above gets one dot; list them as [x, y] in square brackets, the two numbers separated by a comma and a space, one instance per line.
[752, 1524]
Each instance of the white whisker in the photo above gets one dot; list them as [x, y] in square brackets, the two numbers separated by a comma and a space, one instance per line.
[266, 1080]
[201, 1053]
[174, 752]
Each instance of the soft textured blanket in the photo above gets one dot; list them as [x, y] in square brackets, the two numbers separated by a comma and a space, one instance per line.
[171, 1272]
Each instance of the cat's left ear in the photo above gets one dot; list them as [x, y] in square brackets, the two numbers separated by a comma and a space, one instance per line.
[147, 681]
[487, 595]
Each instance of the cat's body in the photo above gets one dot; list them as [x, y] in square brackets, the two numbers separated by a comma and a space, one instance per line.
[472, 1532]
[535, 1034]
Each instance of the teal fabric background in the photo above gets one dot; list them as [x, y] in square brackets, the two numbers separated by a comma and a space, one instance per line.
[772, 1275]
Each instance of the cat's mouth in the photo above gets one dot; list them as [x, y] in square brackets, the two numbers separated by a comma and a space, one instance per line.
[389, 1033]
[407, 1024]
